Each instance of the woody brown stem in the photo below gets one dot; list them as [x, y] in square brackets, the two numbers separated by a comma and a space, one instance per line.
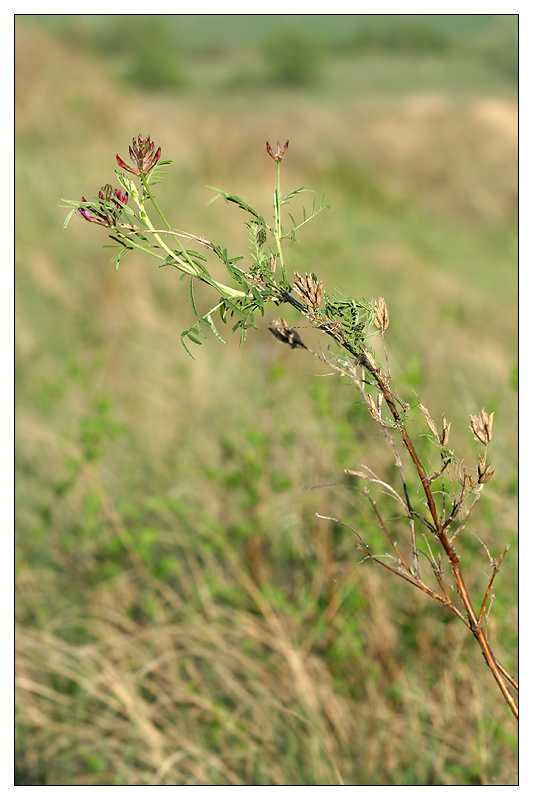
[367, 361]
[452, 556]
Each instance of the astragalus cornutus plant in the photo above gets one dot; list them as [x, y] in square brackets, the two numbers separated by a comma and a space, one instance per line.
[435, 516]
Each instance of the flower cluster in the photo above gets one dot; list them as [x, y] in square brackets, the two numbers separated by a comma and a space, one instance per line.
[108, 210]
[141, 153]
[112, 201]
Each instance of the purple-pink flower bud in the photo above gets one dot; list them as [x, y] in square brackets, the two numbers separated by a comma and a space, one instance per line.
[85, 212]
[107, 212]
[280, 151]
[140, 153]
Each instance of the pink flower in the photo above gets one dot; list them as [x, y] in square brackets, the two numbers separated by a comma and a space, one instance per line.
[107, 212]
[141, 154]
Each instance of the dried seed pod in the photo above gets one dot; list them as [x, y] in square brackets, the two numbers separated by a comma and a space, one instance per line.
[483, 471]
[445, 431]
[430, 421]
[481, 426]
[372, 407]
[309, 289]
[382, 314]
[282, 331]
[356, 473]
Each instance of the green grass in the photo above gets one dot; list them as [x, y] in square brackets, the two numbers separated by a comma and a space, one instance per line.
[220, 32]
[182, 616]
[362, 53]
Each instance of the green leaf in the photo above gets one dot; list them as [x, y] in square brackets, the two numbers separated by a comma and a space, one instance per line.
[290, 194]
[127, 184]
[192, 338]
[235, 309]
[208, 320]
[70, 213]
[258, 297]
[191, 296]
[141, 236]
[233, 198]
[157, 174]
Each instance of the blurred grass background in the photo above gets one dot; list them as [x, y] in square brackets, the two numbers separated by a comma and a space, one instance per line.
[182, 617]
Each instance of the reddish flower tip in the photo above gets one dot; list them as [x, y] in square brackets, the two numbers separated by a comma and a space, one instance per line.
[280, 151]
[85, 213]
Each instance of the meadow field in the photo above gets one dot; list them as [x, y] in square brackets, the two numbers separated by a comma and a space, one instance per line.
[182, 615]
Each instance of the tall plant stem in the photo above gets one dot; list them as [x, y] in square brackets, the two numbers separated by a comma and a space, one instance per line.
[277, 222]
[149, 194]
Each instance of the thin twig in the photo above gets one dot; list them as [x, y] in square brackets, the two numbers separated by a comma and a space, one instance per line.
[495, 570]
[384, 528]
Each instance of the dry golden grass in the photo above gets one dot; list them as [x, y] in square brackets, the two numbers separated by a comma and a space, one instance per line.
[220, 695]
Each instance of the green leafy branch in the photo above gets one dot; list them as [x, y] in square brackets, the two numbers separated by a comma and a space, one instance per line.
[131, 228]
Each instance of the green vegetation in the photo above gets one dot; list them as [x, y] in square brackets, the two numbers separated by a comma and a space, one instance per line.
[182, 615]
[294, 50]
